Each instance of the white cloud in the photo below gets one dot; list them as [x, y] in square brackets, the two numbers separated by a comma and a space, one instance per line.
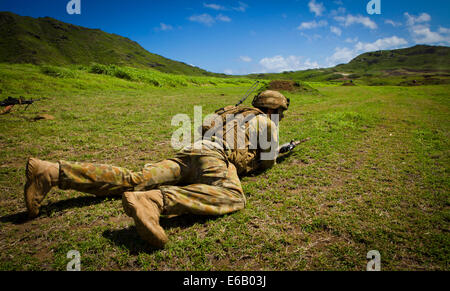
[351, 40]
[242, 7]
[245, 59]
[205, 19]
[344, 55]
[351, 19]
[279, 64]
[310, 65]
[393, 23]
[310, 38]
[208, 20]
[340, 56]
[312, 24]
[164, 27]
[444, 30]
[316, 8]
[412, 20]
[421, 33]
[340, 10]
[381, 44]
[336, 30]
[223, 18]
[214, 6]
[228, 72]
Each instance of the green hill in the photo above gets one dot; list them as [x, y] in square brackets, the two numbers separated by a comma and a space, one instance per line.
[49, 41]
[417, 58]
[382, 67]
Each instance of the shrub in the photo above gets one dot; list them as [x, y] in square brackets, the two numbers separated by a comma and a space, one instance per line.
[98, 69]
[333, 77]
[159, 79]
[119, 73]
[58, 72]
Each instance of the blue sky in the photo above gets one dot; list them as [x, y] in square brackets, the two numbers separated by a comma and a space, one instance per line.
[241, 37]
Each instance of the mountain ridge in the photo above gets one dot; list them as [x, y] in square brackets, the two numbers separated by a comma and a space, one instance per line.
[45, 40]
[420, 60]
[419, 57]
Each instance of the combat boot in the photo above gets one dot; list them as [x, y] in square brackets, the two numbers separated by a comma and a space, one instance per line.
[41, 176]
[145, 208]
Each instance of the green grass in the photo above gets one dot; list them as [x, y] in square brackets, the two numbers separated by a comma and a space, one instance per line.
[373, 177]
[39, 80]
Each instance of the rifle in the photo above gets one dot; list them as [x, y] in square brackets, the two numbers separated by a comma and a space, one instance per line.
[10, 102]
[292, 145]
[250, 90]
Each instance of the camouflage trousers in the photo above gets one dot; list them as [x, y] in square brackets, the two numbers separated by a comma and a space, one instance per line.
[195, 181]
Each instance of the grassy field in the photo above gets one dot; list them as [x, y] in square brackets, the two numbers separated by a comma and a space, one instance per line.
[375, 176]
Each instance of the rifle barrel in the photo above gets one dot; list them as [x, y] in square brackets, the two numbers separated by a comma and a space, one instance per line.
[302, 141]
[14, 101]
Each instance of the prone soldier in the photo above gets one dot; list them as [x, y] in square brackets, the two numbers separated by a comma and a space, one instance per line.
[202, 178]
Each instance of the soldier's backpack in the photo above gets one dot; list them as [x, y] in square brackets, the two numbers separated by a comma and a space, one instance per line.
[228, 114]
[223, 114]
[237, 145]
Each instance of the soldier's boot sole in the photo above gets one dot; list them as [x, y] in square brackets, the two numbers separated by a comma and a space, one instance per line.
[41, 176]
[145, 211]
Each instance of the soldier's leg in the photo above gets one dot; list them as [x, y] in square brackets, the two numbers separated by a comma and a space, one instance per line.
[100, 180]
[145, 208]
[41, 176]
[107, 180]
[218, 191]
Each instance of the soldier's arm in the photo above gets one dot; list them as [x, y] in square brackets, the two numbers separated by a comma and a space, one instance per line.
[269, 155]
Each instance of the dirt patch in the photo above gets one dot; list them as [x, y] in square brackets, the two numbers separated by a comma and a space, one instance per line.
[43, 117]
[284, 85]
[290, 86]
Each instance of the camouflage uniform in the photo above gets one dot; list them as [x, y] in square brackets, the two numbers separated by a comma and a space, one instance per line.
[201, 179]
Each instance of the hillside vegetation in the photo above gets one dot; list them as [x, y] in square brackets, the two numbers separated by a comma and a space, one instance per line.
[420, 64]
[420, 58]
[49, 41]
[34, 80]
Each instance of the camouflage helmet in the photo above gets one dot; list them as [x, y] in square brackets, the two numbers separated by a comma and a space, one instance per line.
[271, 99]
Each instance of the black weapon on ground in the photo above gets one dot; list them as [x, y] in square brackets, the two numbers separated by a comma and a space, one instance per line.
[292, 145]
[11, 101]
